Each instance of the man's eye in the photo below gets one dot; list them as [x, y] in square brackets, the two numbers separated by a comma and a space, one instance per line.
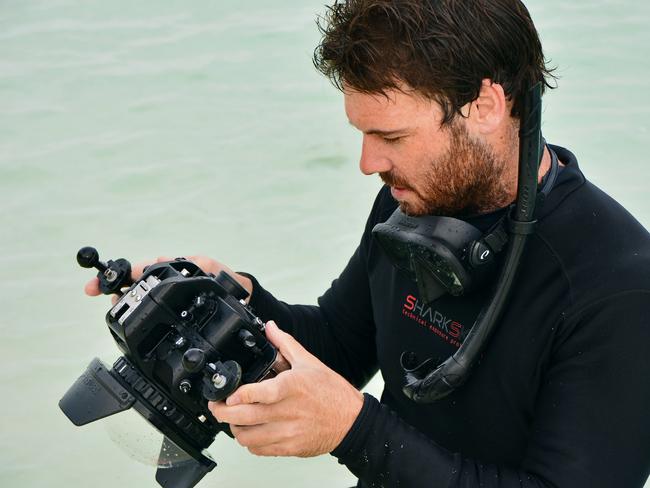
[392, 140]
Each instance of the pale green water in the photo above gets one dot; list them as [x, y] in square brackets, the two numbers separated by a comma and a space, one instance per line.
[149, 128]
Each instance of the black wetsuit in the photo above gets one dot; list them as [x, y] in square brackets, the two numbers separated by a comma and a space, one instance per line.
[561, 396]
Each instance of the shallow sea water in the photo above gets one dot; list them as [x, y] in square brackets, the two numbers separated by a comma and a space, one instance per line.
[175, 128]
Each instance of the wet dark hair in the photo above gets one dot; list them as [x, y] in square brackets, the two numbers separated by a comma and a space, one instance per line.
[441, 48]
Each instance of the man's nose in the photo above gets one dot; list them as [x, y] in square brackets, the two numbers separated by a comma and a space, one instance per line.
[372, 158]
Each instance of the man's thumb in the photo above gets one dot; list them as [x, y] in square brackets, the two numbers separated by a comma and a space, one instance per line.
[286, 344]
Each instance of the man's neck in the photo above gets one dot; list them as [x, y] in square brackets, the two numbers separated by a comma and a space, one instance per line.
[544, 168]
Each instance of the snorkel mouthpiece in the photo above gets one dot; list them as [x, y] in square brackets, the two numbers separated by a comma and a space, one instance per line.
[427, 383]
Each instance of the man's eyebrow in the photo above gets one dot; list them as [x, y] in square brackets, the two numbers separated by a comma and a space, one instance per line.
[386, 133]
[383, 133]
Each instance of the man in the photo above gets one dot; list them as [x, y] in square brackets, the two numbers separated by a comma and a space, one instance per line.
[560, 397]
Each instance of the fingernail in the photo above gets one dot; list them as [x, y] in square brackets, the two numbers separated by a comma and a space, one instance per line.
[211, 406]
[270, 323]
[233, 400]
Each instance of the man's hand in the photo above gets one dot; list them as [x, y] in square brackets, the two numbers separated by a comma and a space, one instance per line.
[305, 411]
[208, 265]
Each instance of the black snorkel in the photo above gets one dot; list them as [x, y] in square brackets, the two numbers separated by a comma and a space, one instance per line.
[427, 382]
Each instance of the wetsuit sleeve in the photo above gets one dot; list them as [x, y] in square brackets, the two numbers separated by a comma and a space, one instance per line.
[591, 428]
[340, 331]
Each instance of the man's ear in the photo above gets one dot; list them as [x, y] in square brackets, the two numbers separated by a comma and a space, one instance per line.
[486, 114]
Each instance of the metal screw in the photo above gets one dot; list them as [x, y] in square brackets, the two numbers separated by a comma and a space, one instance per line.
[219, 381]
[110, 275]
[184, 313]
[185, 386]
[180, 342]
[247, 338]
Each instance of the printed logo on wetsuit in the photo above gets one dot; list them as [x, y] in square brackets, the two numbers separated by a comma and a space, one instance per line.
[444, 327]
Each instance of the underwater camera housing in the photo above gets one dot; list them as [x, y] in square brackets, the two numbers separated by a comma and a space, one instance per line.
[186, 337]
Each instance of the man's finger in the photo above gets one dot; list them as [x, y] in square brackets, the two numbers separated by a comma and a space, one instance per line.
[279, 435]
[268, 392]
[244, 414]
[288, 346]
[206, 264]
[92, 287]
[138, 268]
[275, 450]
[163, 259]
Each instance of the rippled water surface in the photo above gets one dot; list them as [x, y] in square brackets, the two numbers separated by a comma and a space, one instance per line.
[174, 128]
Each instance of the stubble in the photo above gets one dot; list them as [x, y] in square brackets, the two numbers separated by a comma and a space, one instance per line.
[468, 179]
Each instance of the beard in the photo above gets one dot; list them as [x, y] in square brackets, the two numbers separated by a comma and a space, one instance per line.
[468, 179]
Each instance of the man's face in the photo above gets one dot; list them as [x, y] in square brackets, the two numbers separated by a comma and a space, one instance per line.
[430, 169]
